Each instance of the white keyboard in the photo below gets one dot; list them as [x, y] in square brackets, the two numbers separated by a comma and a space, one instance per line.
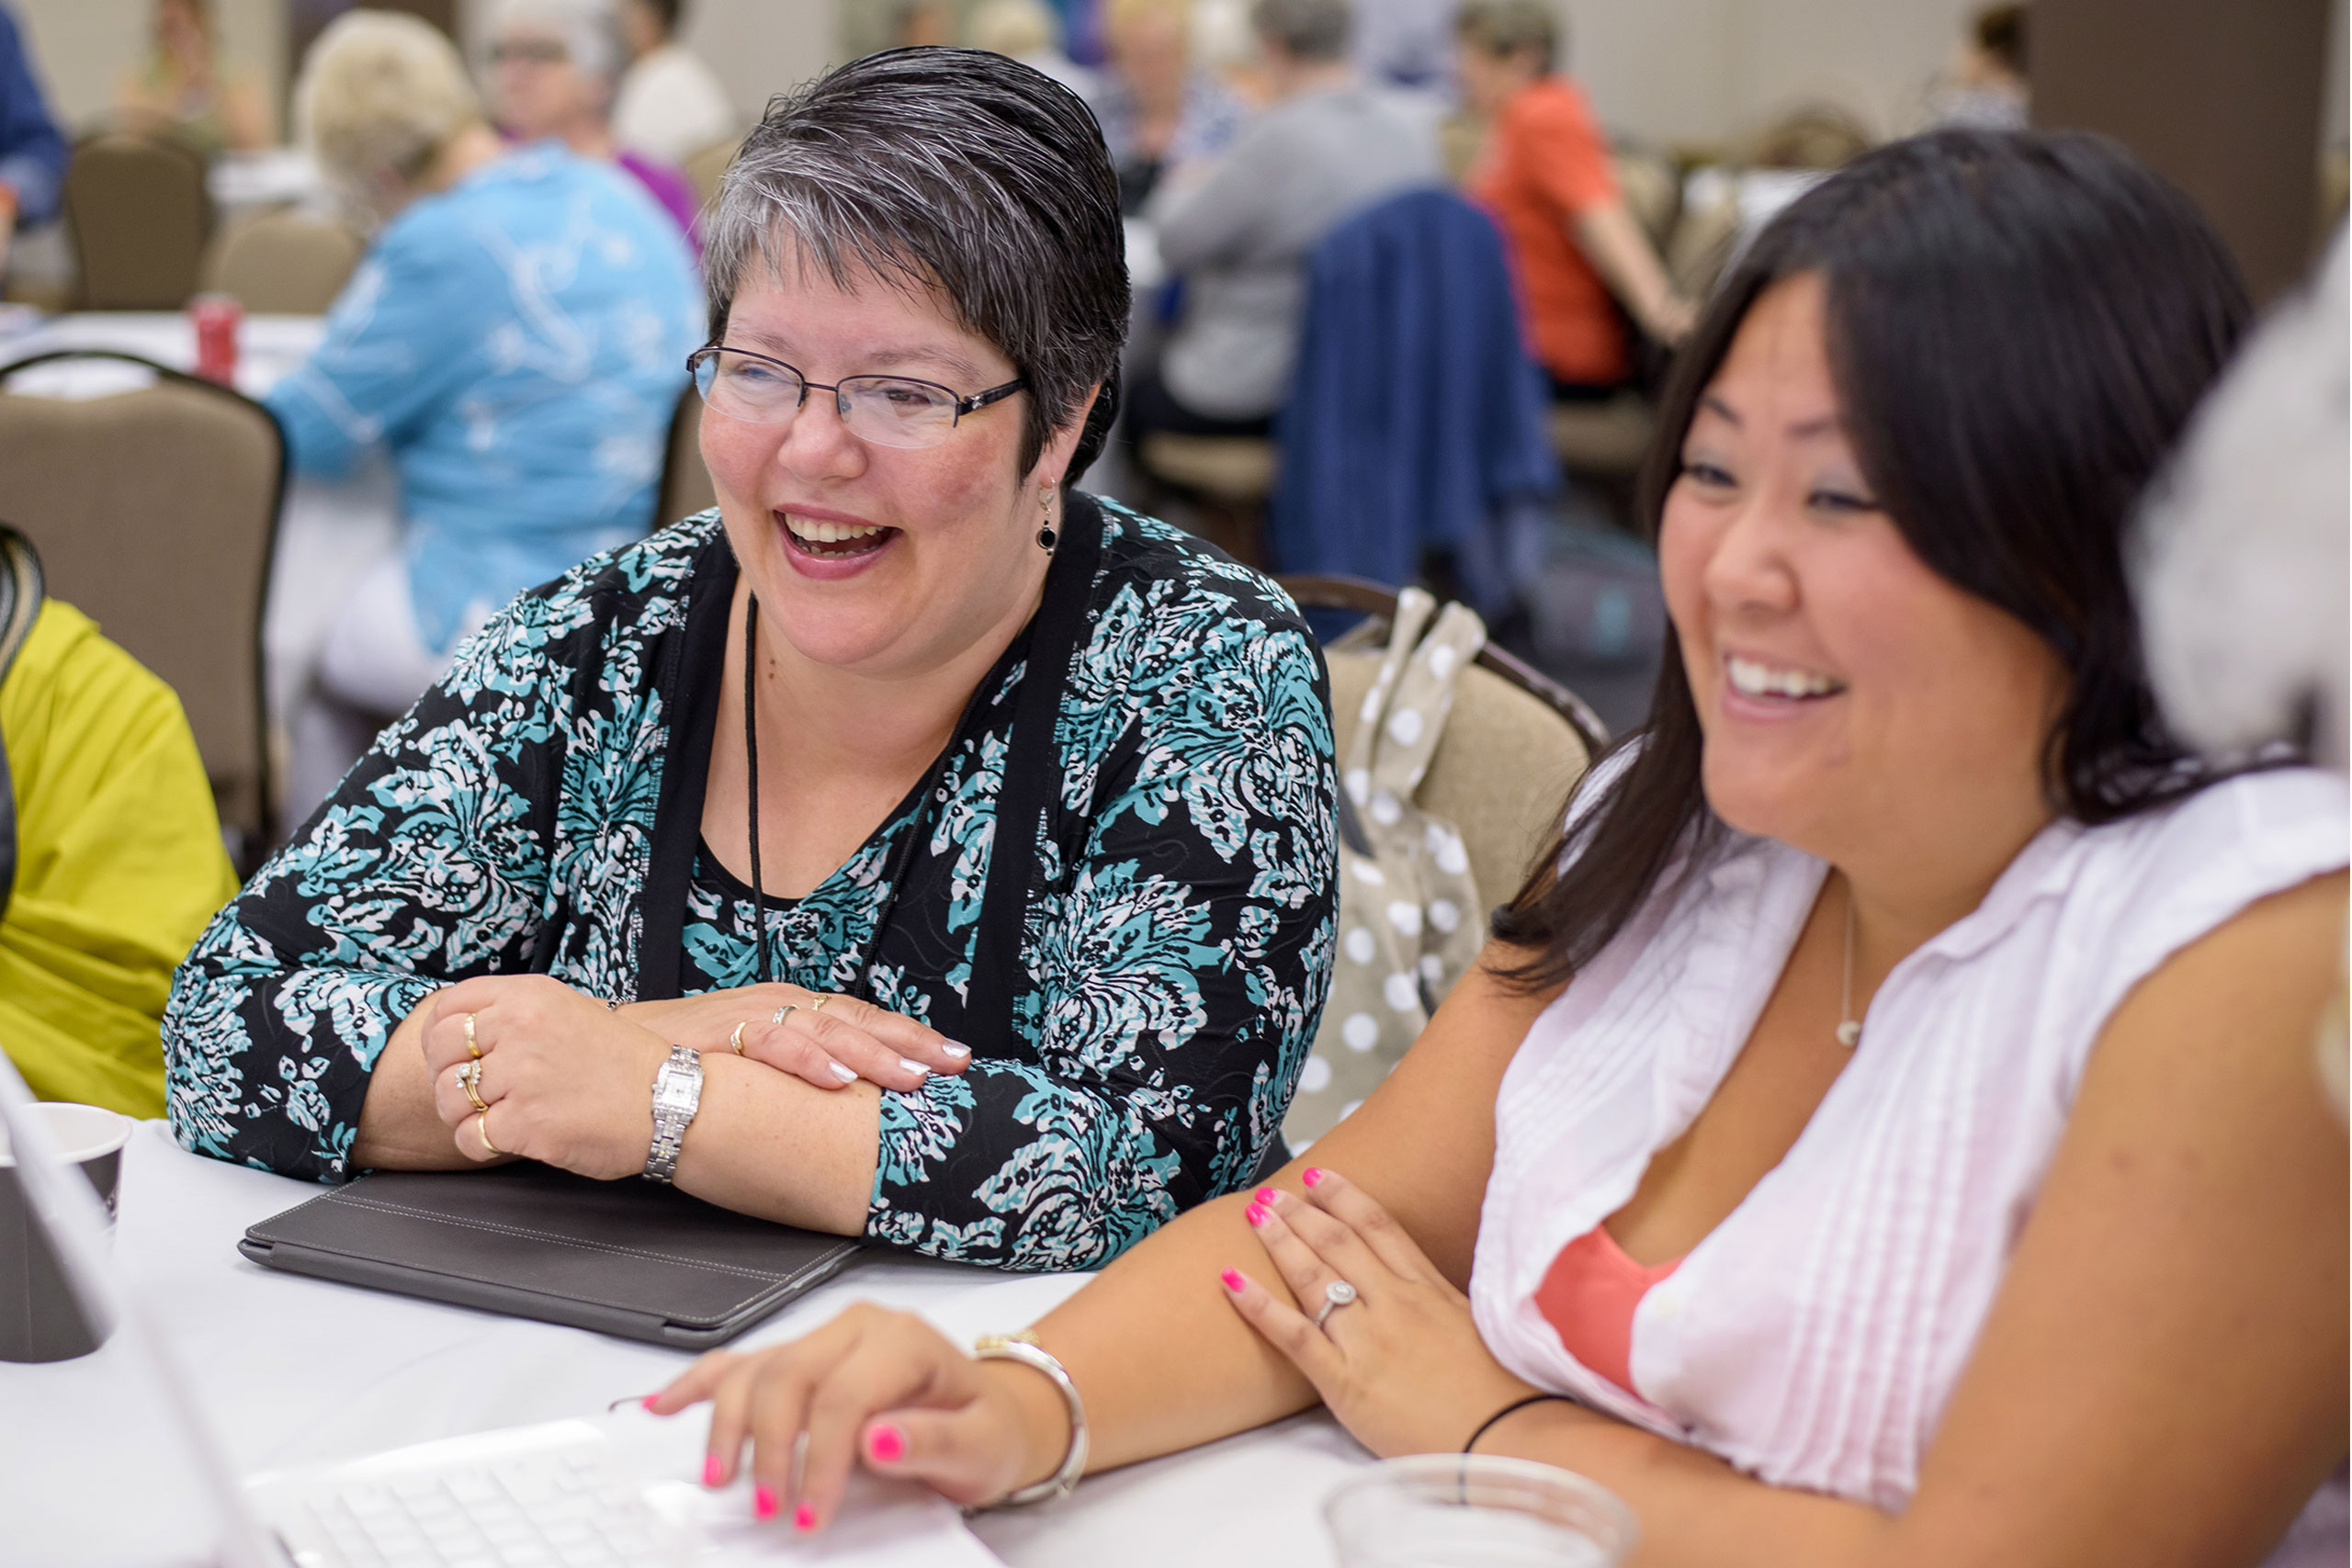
[568, 1506]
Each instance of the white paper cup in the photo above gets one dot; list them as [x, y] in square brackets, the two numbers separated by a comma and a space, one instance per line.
[39, 1320]
[1477, 1511]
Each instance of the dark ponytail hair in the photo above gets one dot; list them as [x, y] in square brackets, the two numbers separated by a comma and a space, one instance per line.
[2018, 326]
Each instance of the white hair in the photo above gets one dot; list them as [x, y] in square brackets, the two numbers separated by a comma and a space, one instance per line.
[2243, 560]
[380, 95]
[590, 31]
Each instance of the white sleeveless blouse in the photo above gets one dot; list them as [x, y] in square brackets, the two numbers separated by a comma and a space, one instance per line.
[1813, 1338]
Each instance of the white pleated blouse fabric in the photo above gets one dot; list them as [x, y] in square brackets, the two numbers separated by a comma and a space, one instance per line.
[1813, 1338]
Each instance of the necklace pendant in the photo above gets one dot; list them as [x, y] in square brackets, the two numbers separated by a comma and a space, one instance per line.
[1849, 1031]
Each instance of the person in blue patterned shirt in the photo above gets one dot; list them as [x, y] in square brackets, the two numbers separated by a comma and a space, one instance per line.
[970, 840]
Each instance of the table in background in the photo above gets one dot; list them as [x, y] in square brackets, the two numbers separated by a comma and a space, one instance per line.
[296, 1371]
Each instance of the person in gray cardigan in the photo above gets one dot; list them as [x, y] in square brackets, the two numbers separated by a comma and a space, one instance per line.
[1239, 234]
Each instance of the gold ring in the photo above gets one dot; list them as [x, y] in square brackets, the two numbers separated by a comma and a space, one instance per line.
[481, 1126]
[736, 1039]
[470, 1079]
[819, 1005]
[471, 1049]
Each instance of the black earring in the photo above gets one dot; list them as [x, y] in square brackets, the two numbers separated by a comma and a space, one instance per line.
[1046, 537]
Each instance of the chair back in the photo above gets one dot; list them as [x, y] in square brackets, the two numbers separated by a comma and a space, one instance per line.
[686, 483]
[155, 511]
[284, 263]
[1416, 418]
[703, 169]
[138, 215]
[1516, 740]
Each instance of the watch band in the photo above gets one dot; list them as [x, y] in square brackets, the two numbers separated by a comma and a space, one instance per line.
[677, 1094]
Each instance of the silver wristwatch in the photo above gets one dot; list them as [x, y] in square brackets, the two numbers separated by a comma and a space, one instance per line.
[677, 1092]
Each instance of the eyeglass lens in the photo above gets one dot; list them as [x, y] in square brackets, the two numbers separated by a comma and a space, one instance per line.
[886, 410]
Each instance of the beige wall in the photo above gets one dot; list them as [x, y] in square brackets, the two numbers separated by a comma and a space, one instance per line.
[1707, 71]
[82, 47]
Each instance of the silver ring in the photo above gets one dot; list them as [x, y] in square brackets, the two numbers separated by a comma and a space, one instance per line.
[1336, 1295]
[777, 1019]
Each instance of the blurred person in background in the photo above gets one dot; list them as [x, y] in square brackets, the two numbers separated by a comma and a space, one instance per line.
[1160, 114]
[1985, 85]
[554, 67]
[1404, 43]
[183, 89]
[671, 104]
[32, 150]
[1029, 31]
[1240, 232]
[110, 856]
[1577, 252]
[514, 339]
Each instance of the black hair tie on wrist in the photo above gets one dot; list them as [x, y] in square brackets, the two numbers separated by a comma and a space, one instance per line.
[1516, 1404]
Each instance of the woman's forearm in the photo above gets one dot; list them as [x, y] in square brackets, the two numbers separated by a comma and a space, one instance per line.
[1612, 241]
[764, 1143]
[399, 1127]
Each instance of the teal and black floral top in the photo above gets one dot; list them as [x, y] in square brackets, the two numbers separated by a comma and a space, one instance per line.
[538, 810]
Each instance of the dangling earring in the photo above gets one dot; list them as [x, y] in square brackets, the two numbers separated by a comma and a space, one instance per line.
[1046, 539]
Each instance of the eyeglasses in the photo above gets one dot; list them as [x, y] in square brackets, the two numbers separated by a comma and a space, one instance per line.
[527, 52]
[888, 410]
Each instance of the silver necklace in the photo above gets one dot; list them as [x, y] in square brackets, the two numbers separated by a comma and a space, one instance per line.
[1850, 1028]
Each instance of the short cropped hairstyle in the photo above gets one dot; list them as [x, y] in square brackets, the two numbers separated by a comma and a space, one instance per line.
[2018, 325]
[956, 171]
[2001, 33]
[381, 94]
[591, 31]
[1308, 30]
[1512, 26]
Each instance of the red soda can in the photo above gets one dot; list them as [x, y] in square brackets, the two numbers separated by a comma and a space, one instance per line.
[215, 318]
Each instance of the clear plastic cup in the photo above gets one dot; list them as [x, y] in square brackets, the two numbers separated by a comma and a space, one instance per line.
[1477, 1511]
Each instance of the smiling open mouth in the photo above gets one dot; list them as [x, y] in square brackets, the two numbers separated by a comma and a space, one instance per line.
[1750, 679]
[835, 541]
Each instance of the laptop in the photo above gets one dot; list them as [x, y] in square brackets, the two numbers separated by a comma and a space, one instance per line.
[605, 1490]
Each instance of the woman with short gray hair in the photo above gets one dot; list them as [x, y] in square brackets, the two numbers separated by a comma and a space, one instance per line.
[913, 847]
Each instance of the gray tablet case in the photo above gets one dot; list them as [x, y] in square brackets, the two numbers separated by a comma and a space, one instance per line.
[629, 1258]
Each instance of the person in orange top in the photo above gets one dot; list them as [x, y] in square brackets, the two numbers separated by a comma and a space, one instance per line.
[1576, 252]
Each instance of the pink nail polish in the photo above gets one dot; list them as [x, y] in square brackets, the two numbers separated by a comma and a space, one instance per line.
[763, 1502]
[1255, 1214]
[650, 1401]
[1312, 1175]
[713, 1472]
[804, 1518]
[1233, 1281]
[886, 1444]
[1264, 1195]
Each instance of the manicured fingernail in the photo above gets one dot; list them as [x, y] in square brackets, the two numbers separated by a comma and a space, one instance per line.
[804, 1518]
[951, 1048]
[650, 1400]
[1233, 1281]
[885, 1443]
[1264, 1195]
[914, 1066]
[1311, 1175]
[1255, 1214]
[713, 1472]
[763, 1502]
[842, 1072]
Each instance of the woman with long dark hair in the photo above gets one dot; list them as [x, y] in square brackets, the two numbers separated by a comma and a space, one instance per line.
[1883, 1129]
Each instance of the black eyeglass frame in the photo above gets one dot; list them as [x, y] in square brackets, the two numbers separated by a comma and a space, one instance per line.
[958, 407]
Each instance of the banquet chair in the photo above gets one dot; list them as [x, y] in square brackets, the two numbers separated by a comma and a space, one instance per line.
[155, 511]
[284, 263]
[137, 215]
[686, 484]
[1514, 743]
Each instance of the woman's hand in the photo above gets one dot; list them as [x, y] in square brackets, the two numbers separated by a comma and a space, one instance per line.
[568, 1082]
[1402, 1365]
[879, 1386]
[824, 1040]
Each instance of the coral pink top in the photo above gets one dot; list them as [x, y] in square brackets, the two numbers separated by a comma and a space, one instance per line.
[1588, 1296]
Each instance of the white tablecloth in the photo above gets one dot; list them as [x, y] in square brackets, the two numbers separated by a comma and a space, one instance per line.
[295, 1371]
